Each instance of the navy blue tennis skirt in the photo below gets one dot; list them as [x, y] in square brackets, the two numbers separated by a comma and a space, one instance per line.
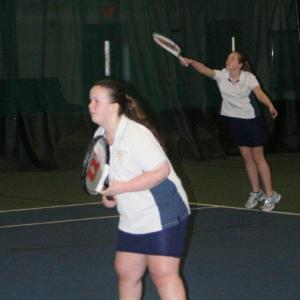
[167, 242]
[245, 132]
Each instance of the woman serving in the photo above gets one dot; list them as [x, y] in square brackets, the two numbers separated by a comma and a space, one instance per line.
[240, 114]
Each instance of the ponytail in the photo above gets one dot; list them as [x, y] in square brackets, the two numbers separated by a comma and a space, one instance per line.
[246, 66]
[134, 112]
[128, 105]
[244, 61]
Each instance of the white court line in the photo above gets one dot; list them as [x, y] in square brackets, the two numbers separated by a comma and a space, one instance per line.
[58, 222]
[73, 220]
[245, 209]
[99, 203]
[208, 206]
[203, 208]
[49, 207]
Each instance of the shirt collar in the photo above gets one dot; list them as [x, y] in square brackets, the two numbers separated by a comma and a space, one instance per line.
[121, 128]
[241, 77]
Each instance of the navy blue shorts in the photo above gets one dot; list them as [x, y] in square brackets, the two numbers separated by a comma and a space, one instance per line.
[167, 242]
[245, 132]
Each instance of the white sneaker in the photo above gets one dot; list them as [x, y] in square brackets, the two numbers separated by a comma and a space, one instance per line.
[254, 198]
[269, 202]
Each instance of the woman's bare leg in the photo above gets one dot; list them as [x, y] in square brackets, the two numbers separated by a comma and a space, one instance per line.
[130, 268]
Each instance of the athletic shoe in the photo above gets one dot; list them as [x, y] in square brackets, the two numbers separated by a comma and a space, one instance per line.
[269, 202]
[254, 198]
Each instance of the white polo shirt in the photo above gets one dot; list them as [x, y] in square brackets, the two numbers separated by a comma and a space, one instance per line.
[236, 101]
[134, 151]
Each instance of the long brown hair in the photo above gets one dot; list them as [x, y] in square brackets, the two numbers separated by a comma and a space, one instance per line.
[127, 105]
[243, 60]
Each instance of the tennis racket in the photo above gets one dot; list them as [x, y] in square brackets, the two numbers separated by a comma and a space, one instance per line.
[167, 44]
[95, 169]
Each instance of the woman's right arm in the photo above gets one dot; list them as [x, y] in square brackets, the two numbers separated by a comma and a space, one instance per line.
[198, 66]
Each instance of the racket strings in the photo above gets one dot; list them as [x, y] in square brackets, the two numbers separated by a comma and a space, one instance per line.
[95, 166]
[167, 44]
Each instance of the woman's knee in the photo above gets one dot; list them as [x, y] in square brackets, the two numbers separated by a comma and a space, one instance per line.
[259, 159]
[162, 273]
[246, 154]
[161, 279]
[248, 159]
[258, 155]
[122, 270]
[129, 270]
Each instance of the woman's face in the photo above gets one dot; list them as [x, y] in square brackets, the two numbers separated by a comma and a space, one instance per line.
[100, 106]
[232, 62]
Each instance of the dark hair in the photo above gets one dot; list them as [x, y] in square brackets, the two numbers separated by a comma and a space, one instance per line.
[127, 104]
[243, 60]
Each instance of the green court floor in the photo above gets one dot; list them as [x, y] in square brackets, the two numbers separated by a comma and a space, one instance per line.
[215, 182]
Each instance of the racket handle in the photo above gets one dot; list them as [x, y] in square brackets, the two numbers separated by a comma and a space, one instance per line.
[105, 186]
[106, 182]
[181, 59]
[103, 180]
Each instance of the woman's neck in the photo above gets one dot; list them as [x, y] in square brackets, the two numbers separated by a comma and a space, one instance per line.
[234, 75]
[111, 129]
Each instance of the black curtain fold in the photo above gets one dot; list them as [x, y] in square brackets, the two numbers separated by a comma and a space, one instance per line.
[265, 30]
[42, 65]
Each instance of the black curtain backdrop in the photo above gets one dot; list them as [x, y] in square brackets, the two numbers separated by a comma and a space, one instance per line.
[49, 57]
[266, 30]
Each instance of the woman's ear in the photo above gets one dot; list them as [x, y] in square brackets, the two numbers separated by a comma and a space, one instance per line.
[115, 107]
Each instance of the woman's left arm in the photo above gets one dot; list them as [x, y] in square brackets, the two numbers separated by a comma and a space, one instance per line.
[146, 180]
[264, 99]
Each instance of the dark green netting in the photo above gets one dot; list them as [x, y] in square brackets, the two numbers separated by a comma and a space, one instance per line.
[52, 51]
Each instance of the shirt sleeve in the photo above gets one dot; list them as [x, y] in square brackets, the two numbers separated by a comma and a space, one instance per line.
[252, 81]
[218, 75]
[146, 151]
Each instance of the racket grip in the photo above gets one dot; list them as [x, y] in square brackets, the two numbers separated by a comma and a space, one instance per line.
[105, 186]
[103, 179]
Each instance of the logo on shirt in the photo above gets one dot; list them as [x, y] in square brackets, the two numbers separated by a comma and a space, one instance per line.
[119, 155]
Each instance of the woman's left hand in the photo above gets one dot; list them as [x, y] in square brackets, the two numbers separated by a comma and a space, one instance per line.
[114, 188]
[264, 99]
[273, 111]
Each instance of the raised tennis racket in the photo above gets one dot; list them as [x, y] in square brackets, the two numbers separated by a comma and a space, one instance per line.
[94, 175]
[167, 44]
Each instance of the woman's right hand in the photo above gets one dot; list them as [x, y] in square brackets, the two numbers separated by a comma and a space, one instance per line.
[185, 61]
[198, 66]
[109, 203]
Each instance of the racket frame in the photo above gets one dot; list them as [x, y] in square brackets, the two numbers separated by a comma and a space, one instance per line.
[90, 153]
[164, 41]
